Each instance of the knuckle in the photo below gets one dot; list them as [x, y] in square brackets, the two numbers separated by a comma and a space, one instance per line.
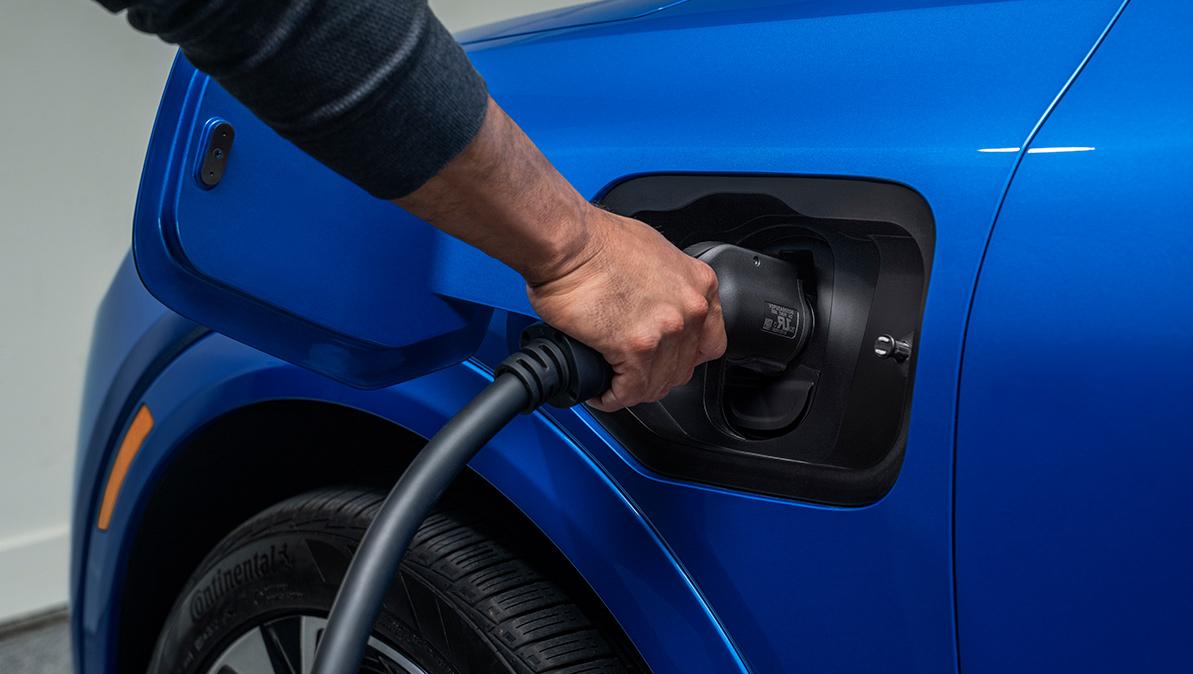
[642, 343]
[706, 276]
[715, 310]
[697, 306]
[671, 323]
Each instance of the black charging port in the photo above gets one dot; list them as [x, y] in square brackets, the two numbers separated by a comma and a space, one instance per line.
[824, 421]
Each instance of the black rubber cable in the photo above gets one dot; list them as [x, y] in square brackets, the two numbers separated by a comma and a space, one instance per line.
[376, 562]
[550, 368]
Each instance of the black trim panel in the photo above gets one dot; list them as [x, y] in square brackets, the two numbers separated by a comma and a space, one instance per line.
[866, 247]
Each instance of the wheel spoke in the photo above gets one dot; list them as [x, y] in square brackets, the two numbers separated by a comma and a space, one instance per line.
[251, 653]
[247, 656]
[308, 638]
[283, 640]
[388, 656]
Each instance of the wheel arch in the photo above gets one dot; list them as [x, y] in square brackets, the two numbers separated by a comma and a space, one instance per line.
[278, 448]
[221, 394]
[256, 440]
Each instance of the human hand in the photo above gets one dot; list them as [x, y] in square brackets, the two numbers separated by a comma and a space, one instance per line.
[652, 311]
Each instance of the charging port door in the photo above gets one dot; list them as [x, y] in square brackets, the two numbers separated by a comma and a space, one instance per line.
[239, 230]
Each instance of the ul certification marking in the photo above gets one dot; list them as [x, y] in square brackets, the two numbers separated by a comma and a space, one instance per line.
[779, 320]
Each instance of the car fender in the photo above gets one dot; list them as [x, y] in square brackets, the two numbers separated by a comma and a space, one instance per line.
[533, 462]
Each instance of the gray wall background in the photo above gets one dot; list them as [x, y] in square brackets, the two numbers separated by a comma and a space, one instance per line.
[78, 93]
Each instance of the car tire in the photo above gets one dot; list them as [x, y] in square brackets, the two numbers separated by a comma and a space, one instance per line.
[463, 601]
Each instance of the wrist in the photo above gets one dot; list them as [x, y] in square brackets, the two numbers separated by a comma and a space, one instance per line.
[503, 196]
[571, 237]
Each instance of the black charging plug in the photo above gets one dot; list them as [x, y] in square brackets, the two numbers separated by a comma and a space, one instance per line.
[768, 318]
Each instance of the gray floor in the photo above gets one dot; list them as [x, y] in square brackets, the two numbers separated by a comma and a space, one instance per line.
[39, 647]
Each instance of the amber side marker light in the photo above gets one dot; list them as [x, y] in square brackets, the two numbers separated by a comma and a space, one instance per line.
[134, 437]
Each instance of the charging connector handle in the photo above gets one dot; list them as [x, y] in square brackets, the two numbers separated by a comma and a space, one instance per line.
[550, 367]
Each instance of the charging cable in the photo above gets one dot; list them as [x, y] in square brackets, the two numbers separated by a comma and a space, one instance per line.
[550, 368]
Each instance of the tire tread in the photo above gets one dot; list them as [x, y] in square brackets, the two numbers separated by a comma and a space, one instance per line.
[520, 611]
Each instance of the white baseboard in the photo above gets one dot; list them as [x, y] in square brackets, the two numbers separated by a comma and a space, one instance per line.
[33, 572]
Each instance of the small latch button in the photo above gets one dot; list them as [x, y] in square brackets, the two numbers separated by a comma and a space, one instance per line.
[887, 346]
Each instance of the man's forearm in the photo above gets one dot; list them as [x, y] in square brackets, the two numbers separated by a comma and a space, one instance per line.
[503, 196]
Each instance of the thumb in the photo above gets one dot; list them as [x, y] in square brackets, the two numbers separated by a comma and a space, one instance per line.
[607, 402]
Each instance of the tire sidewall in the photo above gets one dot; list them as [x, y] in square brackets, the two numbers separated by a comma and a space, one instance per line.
[266, 578]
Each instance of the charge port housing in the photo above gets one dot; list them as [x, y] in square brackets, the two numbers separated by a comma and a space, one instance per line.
[831, 425]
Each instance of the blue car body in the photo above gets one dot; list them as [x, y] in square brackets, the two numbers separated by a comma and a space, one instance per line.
[1038, 521]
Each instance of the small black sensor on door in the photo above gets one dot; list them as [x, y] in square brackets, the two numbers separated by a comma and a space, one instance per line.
[215, 153]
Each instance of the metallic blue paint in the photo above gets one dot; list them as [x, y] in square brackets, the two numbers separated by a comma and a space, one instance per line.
[707, 579]
[244, 258]
[908, 94]
[134, 338]
[584, 14]
[530, 461]
[1074, 533]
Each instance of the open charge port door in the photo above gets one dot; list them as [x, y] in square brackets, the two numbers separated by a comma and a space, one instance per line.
[830, 427]
[246, 234]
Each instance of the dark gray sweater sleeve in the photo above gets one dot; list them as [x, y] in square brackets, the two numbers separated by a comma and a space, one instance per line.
[375, 89]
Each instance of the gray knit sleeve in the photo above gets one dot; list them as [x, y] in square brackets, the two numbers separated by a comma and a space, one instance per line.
[375, 89]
